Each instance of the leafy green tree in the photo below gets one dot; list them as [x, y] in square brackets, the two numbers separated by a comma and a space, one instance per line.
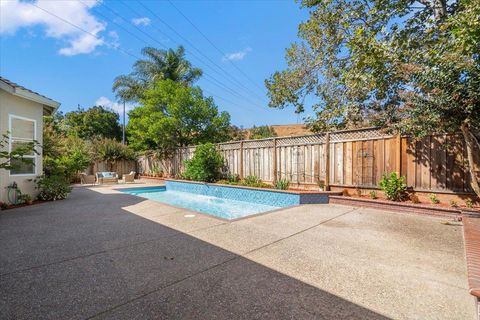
[174, 115]
[237, 133]
[411, 66]
[158, 65]
[93, 123]
[112, 151]
[262, 132]
[63, 155]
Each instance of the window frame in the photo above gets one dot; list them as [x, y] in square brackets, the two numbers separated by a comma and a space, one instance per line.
[11, 138]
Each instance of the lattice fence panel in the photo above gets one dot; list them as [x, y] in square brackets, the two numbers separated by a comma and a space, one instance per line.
[358, 135]
[301, 140]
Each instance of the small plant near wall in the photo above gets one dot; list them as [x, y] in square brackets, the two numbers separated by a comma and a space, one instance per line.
[394, 187]
[282, 184]
[373, 194]
[255, 182]
[26, 198]
[434, 198]
[453, 204]
[157, 171]
[321, 185]
[358, 191]
[469, 203]
[251, 180]
[414, 198]
[3, 205]
[233, 178]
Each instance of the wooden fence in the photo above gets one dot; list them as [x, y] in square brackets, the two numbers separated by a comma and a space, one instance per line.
[353, 158]
[120, 167]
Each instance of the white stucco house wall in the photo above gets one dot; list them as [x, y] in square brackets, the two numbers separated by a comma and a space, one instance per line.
[21, 117]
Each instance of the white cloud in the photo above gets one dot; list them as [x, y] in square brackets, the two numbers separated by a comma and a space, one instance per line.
[144, 21]
[115, 106]
[236, 56]
[18, 14]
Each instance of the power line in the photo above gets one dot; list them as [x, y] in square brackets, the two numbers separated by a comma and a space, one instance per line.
[110, 45]
[233, 78]
[213, 45]
[207, 78]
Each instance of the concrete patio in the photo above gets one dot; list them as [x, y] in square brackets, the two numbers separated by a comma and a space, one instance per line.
[103, 254]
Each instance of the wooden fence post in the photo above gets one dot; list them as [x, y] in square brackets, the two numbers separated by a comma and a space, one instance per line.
[327, 162]
[274, 159]
[241, 159]
[398, 155]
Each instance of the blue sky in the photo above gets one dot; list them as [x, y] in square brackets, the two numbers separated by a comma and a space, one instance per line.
[48, 55]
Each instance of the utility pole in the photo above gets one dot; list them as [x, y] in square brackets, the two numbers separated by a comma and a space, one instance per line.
[123, 128]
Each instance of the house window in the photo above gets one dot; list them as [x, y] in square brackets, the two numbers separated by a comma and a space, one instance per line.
[22, 132]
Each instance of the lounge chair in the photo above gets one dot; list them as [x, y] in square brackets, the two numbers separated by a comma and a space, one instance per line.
[87, 178]
[129, 177]
[107, 177]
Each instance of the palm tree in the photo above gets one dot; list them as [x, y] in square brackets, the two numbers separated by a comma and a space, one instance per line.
[158, 65]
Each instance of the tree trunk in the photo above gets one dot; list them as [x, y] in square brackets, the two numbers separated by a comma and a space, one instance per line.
[439, 8]
[471, 147]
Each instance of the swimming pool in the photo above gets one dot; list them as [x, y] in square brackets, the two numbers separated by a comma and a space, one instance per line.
[221, 201]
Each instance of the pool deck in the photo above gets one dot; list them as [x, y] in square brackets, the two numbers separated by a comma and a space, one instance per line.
[104, 254]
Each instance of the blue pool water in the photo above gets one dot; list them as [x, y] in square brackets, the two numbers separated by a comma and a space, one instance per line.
[224, 202]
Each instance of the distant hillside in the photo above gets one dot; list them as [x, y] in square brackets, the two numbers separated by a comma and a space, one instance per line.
[283, 130]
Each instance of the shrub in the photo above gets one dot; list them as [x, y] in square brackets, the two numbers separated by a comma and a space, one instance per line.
[3, 205]
[233, 178]
[434, 199]
[251, 180]
[358, 191]
[414, 198]
[469, 203]
[394, 187]
[112, 151]
[52, 188]
[255, 182]
[453, 204]
[205, 165]
[65, 156]
[373, 194]
[282, 184]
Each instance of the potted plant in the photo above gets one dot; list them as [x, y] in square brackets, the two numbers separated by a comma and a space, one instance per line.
[27, 199]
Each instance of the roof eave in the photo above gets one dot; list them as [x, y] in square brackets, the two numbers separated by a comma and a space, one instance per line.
[30, 96]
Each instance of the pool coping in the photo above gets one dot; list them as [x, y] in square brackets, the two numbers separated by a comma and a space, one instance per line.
[296, 192]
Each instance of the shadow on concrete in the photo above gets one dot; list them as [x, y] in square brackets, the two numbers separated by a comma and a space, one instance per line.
[86, 257]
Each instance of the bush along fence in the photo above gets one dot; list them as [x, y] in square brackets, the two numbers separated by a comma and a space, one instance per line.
[341, 160]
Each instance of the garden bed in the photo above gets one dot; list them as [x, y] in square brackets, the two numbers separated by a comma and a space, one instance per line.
[20, 205]
[436, 210]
